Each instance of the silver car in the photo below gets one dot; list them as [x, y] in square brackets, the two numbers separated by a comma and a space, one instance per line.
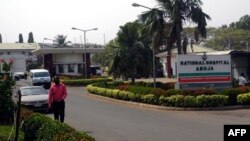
[34, 97]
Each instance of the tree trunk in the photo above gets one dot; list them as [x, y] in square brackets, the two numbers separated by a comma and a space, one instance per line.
[178, 38]
[169, 64]
[169, 49]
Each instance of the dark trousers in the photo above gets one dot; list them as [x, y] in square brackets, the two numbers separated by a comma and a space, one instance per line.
[59, 110]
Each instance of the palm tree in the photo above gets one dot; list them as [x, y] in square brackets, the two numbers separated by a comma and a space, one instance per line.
[131, 53]
[175, 13]
[61, 40]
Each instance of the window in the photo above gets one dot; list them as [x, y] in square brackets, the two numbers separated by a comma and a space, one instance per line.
[60, 68]
[23, 52]
[71, 68]
[41, 74]
[80, 68]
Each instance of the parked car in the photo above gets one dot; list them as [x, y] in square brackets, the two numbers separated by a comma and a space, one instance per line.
[40, 77]
[18, 75]
[34, 97]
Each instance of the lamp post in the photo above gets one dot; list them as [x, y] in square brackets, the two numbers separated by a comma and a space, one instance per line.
[153, 50]
[85, 45]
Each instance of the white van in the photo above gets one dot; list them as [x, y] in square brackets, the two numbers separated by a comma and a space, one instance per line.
[40, 77]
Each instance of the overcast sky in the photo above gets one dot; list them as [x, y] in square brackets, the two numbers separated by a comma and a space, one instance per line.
[48, 18]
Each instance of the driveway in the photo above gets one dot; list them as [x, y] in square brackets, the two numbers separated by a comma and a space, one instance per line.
[107, 121]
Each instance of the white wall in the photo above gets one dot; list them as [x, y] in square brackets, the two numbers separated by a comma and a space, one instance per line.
[67, 58]
[19, 62]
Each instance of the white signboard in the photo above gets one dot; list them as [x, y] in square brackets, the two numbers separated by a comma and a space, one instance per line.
[200, 70]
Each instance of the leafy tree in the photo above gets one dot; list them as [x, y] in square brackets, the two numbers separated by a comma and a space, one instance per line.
[244, 22]
[154, 24]
[175, 13]
[31, 38]
[60, 40]
[229, 38]
[7, 105]
[0, 38]
[131, 53]
[105, 58]
[20, 38]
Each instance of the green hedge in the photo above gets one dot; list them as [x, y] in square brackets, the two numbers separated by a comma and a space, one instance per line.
[41, 127]
[244, 99]
[174, 100]
[84, 82]
[192, 101]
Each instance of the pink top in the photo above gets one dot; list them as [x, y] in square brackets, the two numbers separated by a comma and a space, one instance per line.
[57, 93]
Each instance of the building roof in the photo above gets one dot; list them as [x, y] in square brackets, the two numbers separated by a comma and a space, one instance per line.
[196, 49]
[50, 48]
[18, 46]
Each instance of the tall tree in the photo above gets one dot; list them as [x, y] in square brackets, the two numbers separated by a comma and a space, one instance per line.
[60, 40]
[0, 38]
[20, 38]
[154, 24]
[176, 13]
[244, 22]
[31, 38]
[131, 53]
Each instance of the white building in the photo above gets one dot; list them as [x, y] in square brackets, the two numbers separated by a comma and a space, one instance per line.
[19, 53]
[67, 60]
[194, 50]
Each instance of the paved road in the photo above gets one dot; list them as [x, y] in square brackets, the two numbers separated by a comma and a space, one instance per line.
[114, 122]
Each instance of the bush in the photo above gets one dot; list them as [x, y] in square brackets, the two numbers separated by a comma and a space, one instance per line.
[164, 86]
[197, 92]
[164, 101]
[139, 90]
[211, 101]
[150, 98]
[232, 95]
[171, 92]
[190, 101]
[124, 95]
[244, 99]
[123, 87]
[158, 92]
[84, 82]
[40, 127]
[243, 89]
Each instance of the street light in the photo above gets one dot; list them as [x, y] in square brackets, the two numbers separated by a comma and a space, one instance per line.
[139, 5]
[85, 45]
[153, 50]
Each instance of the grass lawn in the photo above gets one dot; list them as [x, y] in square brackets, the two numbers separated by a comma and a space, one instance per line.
[5, 132]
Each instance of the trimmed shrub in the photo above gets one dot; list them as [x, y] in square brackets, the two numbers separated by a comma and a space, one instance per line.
[164, 101]
[189, 101]
[150, 98]
[124, 95]
[123, 87]
[158, 92]
[211, 101]
[232, 95]
[197, 92]
[244, 99]
[134, 97]
[171, 92]
[40, 127]
[84, 82]
[177, 100]
[243, 89]
[161, 85]
[139, 90]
